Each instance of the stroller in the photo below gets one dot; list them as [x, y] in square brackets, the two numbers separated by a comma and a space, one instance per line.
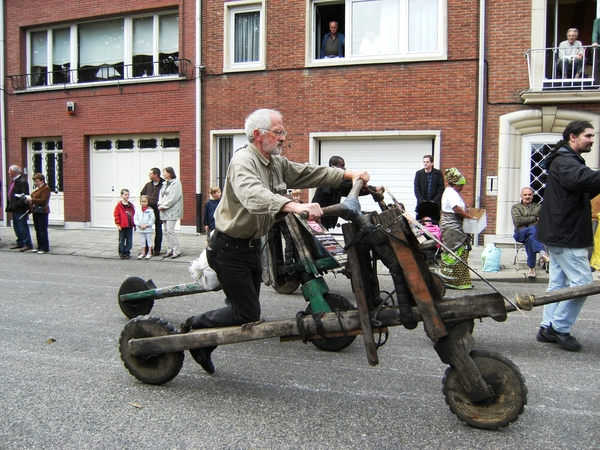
[428, 215]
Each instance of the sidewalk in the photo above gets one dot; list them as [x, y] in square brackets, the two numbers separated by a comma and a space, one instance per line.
[102, 243]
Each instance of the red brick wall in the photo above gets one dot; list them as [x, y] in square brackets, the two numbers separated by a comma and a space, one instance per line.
[404, 96]
[133, 108]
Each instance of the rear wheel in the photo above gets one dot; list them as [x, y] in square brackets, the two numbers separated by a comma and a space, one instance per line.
[507, 383]
[338, 343]
[134, 308]
[153, 369]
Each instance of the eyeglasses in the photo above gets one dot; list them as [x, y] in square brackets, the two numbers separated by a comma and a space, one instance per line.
[279, 134]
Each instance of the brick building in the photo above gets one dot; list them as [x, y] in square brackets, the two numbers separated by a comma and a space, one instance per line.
[170, 82]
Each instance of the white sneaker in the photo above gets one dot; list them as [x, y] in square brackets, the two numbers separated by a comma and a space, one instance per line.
[149, 255]
[141, 255]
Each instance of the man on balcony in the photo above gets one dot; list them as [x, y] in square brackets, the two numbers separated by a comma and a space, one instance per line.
[570, 56]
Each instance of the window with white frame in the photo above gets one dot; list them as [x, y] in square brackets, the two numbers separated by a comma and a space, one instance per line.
[393, 30]
[244, 36]
[122, 48]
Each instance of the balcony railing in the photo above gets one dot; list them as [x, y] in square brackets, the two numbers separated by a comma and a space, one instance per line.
[548, 71]
[63, 75]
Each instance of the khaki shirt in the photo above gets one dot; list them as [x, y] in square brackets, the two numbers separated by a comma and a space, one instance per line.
[255, 189]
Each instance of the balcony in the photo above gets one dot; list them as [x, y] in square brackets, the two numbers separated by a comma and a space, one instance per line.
[63, 76]
[553, 79]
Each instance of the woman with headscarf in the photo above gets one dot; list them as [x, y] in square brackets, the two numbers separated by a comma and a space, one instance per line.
[456, 275]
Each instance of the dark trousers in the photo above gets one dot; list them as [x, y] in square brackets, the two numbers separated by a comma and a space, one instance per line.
[239, 269]
[158, 231]
[21, 229]
[40, 223]
[125, 241]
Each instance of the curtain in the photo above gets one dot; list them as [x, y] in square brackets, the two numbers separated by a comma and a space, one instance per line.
[422, 25]
[247, 37]
[143, 36]
[101, 43]
[168, 34]
[39, 48]
[61, 46]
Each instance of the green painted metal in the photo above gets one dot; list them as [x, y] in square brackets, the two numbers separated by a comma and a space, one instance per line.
[313, 291]
[170, 291]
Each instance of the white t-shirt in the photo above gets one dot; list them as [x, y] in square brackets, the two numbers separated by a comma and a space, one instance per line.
[450, 199]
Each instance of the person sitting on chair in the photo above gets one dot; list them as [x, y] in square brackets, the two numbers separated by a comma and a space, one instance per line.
[570, 56]
[525, 216]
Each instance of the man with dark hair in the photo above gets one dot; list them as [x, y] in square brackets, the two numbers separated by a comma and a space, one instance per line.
[152, 190]
[429, 183]
[18, 206]
[327, 196]
[566, 229]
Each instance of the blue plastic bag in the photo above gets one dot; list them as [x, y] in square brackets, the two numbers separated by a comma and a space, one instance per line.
[490, 258]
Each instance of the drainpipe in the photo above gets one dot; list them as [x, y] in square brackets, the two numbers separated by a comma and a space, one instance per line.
[480, 108]
[2, 110]
[198, 117]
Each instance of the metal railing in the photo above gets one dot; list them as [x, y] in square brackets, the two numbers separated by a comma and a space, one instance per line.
[548, 71]
[93, 74]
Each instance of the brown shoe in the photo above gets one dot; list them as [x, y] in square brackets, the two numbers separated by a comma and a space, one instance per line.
[24, 249]
[14, 247]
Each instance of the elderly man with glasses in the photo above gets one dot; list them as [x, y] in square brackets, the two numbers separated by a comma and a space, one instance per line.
[254, 198]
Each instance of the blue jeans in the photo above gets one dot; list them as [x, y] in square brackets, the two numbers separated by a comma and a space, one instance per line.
[125, 241]
[21, 229]
[532, 245]
[569, 267]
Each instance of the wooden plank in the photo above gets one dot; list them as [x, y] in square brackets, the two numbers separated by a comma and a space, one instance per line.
[312, 337]
[359, 289]
[416, 273]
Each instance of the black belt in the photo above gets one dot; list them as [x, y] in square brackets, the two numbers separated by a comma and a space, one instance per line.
[238, 242]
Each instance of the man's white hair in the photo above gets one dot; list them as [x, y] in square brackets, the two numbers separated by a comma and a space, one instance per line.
[259, 120]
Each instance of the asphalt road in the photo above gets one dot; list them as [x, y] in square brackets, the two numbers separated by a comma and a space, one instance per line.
[63, 385]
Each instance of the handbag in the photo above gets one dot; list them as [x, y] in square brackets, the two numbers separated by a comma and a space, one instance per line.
[39, 209]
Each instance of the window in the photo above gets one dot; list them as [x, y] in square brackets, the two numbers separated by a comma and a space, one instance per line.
[394, 30]
[121, 48]
[244, 36]
[46, 158]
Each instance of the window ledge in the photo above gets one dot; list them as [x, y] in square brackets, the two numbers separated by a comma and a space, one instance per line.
[353, 61]
[249, 68]
[545, 97]
[97, 84]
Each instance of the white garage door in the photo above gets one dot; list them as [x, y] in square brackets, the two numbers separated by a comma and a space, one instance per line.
[390, 162]
[123, 162]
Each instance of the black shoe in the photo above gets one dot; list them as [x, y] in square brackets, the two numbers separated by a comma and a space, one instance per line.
[202, 357]
[540, 336]
[565, 340]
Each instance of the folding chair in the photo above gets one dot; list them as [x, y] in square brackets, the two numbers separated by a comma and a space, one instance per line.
[518, 247]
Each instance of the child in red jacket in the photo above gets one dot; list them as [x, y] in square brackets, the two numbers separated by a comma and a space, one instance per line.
[124, 212]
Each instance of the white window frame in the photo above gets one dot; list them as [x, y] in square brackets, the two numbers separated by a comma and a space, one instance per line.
[74, 45]
[402, 56]
[230, 10]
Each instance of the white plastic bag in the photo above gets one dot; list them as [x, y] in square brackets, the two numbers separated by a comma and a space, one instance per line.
[204, 275]
[490, 258]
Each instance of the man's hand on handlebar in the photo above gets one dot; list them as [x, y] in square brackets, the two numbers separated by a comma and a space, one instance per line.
[313, 210]
[356, 175]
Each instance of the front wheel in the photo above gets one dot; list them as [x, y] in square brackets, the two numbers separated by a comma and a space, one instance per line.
[153, 369]
[335, 344]
[136, 308]
[507, 383]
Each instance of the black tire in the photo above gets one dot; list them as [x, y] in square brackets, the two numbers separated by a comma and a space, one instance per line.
[155, 369]
[134, 309]
[338, 343]
[506, 381]
[289, 287]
